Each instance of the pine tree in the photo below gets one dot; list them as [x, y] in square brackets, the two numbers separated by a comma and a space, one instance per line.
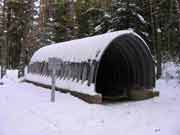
[89, 15]
[28, 28]
[16, 17]
[3, 37]
[123, 15]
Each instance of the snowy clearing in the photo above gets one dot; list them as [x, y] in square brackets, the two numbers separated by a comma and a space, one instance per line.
[26, 110]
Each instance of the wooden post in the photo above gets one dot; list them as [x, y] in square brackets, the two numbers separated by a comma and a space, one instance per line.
[53, 74]
[54, 65]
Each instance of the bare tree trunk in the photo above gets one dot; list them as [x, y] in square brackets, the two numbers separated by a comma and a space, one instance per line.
[72, 27]
[158, 53]
[42, 15]
[23, 42]
[169, 22]
[104, 3]
[152, 24]
[4, 41]
[178, 11]
[156, 36]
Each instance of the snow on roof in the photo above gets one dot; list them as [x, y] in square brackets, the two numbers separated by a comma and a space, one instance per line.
[141, 18]
[78, 50]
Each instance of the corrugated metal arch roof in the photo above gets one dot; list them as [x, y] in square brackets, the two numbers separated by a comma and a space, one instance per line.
[79, 50]
[122, 55]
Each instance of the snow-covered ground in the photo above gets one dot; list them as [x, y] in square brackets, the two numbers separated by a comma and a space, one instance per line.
[26, 110]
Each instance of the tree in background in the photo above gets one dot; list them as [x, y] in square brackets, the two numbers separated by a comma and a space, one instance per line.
[88, 17]
[156, 21]
[27, 25]
[17, 22]
[77, 19]
[123, 15]
[47, 21]
[3, 36]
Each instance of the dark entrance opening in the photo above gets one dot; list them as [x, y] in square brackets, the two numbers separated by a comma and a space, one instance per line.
[114, 74]
[126, 64]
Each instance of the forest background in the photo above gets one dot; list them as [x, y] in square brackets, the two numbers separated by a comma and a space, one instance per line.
[27, 25]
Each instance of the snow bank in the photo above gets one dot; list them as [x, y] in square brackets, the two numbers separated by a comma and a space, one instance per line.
[26, 110]
[170, 70]
[10, 76]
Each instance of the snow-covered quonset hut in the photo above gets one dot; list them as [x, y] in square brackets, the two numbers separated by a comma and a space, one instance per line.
[109, 65]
